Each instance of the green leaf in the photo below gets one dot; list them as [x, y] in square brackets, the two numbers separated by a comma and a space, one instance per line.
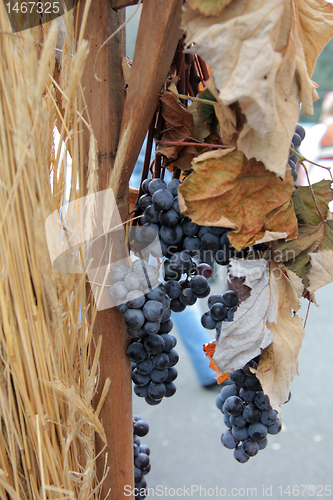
[208, 115]
[304, 206]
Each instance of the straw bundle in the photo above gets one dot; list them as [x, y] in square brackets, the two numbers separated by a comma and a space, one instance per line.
[47, 370]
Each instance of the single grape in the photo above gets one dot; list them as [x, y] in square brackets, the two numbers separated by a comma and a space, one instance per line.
[145, 185]
[202, 231]
[240, 433]
[217, 229]
[219, 312]
[144, 449]
[219, 402]
[141, 461]
[154, 344]
[153, 310]
[173, 358]
[198, 284]
[221, 258]
[253, 383]
[144, 201]
[163, 199]
[136, 352]
[152, 402]
[118, 290]
[269, 417]
[263, 443]
[166, 302]
[296, 140]
[169, 217]
[262, 401]
[136, 450]
[240, 456]
[229, 390]
[156, 184]
[134, 318]
[156, 391]
[141, 391]
[150, 231]
[250, 447]
[177, 306]
[204, 294]
[118, 272]
[228, 440]
[159, 376]
[210, 242]
[257, 431]
[214, 299]
[137, 475]
[230, 299]
[204, 270]
[176, 205]
[135, 333]
[171, 273]
[171, 235]
[140, 379]
[166, 315]
[170, 389]
[192, 245]
[161, 360]
[300, 131]
[135, 299]
[152, 214]
[233, 405]
[168, 342]
[166, 327]
[207, 321]
[189, 228]
[247, 395]
[187, 297]
[172, 375]
[276, 427]
[145, 366]
[157, 294]
[250, 364]
[173, 186]
[122, 307]
[226, 420]
[141, 428]
[251, 413]
[237, 421]
[238, 377]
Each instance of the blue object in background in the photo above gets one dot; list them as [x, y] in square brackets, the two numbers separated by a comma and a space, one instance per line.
[188, 322]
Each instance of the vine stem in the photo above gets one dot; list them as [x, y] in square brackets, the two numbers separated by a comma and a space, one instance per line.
[307, 314]
[312, 193]
[201, 144]
[196, 99]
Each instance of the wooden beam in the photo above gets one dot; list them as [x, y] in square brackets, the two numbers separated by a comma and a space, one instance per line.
[105, 101]
[120, 4]
[156, 43]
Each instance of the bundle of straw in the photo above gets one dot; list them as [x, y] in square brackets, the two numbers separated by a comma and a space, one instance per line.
[47, 370]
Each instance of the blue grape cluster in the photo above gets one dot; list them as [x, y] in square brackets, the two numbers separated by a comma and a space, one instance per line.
[141, 457]
[247, 413]
[148, 322]
[295, 144]
[221, 308]
[162, 217]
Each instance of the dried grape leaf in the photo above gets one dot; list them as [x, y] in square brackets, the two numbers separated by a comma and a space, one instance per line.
[262, 54]
[208, 7]
[321, 271]
[266, 359]
[209, 352]
[224, 184]
[288, 337]
[208, 115]
[304, 206]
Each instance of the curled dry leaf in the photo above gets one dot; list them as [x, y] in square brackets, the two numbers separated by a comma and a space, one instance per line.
[261, 54]
[208, 7]
[288, 337]
[226, 188]
[266, 359]
[321, 270]
[209, 350]
[243, 338]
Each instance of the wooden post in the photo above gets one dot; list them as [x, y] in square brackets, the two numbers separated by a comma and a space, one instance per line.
[105, 101]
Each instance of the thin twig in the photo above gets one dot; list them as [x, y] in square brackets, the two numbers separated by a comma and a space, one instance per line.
[196, 99]
[312, 193]
[201, 144]
[307, 314]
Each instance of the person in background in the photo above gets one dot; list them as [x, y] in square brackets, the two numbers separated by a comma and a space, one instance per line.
[188, 322]
[317, 145]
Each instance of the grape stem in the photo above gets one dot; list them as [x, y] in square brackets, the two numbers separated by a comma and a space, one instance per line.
[196, 99]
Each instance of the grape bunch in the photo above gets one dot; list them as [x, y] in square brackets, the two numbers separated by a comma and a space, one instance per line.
[295, 144]
[148, 322]
[141, 456]
[247, 413]
[221, 308]
[176, 232]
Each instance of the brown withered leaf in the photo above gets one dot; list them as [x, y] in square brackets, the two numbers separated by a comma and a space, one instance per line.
[305, 208]
[226, 186]
[179, 125]
[208, 7]
[321, 271]
[242, 291]
[288, 337]
[266, 359]
[262, 55]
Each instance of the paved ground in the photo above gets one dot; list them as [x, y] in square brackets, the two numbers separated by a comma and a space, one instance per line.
[185, 431]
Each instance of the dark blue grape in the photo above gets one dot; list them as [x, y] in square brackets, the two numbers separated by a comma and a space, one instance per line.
[152, 214]
[189, 228]
[262, 401]
[210, 242]
[169, 217]
[251, 413]
[145, 185]
[136, 352]
[170, 389]
[152, 402]
[228, 440]
[240, 433]
[141, 461]
[141, 391]
[173, 186]
[134, 318]
[163, 199]
[192, 245]
[237, 421]
[173, 357]
[171, 235]
[145, 366]
[166, 327]
[233, 405]
[169, 342]
[161, 360]
[198, 284]
[141, 428]
[257, 431]
[240, 456]
[153, 310]
[154, 344]
[207, 321]
[269, 417]
[159, 376]
[247, 395]
[144, 201]
[177, 306]
[229, 390]
[250, 447]
[214, 299]
[238, 377]
[156, 184]
[156, 391]
[187, 297]
[140, 379]
[230, 299]
[173, 374]
[219, 312]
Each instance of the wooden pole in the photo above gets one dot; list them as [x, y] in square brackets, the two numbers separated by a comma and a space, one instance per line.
[105, 101]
